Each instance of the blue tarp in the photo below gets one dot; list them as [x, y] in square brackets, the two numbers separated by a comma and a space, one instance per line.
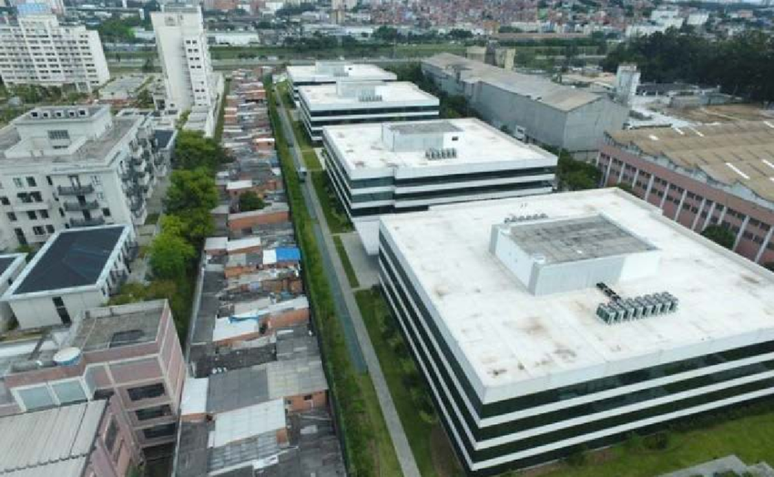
[288, 254]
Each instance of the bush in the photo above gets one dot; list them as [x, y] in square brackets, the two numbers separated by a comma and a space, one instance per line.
[250, 201]
[577, 459]
[720, 235]
[658, 441]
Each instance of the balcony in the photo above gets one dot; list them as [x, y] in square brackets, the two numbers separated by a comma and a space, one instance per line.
[81, 206]
[76, 190]
[92, 222]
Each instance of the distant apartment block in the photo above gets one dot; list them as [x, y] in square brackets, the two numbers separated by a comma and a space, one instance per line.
[75, 166]
[409, 166]
[700, 176]
[38, 50]
[185, 61]
[85, 439]
[531, 108]
[74, 271]
[327, 72]
[129, 353]
[356, 102]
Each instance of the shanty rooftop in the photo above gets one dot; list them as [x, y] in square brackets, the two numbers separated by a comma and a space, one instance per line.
[362, 146]
[510, 342]
[731, 153]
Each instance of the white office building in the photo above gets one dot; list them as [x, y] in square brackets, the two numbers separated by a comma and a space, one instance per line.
[74, 166]
[38, 50]
[383, 168]
[185, 61]
[357, 102]
[76, 270]
[326, 72]
[549, 324]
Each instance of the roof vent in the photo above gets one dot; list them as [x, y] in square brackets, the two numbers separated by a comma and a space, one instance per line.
[445, 153]
[72, 113]
[46, 114]
[59, 113]
[82, 112]
[34, 114]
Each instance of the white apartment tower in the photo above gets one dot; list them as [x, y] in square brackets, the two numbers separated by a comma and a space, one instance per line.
[74, 166]
[185, 58]
[38, 50]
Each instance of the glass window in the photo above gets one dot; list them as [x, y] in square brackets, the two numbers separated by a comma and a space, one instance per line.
[36, 398]
[11, 216]
[153, 412]
[146, 392]
[111, 435]
[58, 135]
[67, 392]
[18, 182]
[159, 431]
[31, 182]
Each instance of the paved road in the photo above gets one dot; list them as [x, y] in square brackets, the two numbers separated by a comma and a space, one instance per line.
[346, 299]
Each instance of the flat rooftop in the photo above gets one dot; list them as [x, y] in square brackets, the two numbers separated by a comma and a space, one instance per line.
[740, 152]
[324, 72]
[116, 326]
[507, 339]
[9, 261]
[56, 441]
[361, 146]
[71, 258]
[391, 94]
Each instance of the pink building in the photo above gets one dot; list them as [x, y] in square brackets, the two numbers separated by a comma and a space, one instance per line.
[128, 352]
[700, 176]
[90, 439]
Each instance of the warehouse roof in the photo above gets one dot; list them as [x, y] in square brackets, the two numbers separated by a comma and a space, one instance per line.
[510, 342]
[732, 153]
[52, 442]
[362, 146]
[347, 96]
[71, 258]
[542, 90]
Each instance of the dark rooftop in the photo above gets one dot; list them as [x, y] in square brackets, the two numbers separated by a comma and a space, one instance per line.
[237, 389]
[163, 137]
[5, 262]
[75, 258]
[232, 359]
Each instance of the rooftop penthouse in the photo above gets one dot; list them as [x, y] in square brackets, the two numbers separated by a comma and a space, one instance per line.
[548, 323]
[355, 102]
[323, 72]
[383, 168]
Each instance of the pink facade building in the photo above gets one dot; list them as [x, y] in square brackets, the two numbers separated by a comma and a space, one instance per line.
[701, 176]
[129, 353]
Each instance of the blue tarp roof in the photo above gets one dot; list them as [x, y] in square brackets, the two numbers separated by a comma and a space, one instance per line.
[288, 254]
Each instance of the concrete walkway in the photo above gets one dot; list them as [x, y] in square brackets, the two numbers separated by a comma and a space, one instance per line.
[400, 442]
[366, 266]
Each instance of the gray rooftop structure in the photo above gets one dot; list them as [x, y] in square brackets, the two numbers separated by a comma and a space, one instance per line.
[56, 441]
[529, 106]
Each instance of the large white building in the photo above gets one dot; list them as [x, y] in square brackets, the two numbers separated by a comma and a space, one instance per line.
[357, 102]
[38, 50]
[383, 168]
[185, 61]
[74, 166]
[552, 323]
[76, 270]
[326, 72]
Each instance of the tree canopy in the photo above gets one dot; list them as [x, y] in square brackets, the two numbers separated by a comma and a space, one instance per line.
[742, 65]
[250, 201]
[720, 235]
[193, 150]
[191, 190]
[170, 255]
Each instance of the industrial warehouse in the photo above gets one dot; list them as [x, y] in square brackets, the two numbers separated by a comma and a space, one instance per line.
[409, 166]
[553, 323]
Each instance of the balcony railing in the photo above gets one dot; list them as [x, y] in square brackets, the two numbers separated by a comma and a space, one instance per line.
[76, 190]
[79, 206]
[87, 222]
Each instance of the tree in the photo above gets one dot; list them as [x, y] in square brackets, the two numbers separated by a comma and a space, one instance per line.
[148, 66]
[769, 266]
[193, 150]
[170, 256]
[250, 201]
[144, 99]
[720, 235]
[197, 225]
[191, 190]
[576, 175]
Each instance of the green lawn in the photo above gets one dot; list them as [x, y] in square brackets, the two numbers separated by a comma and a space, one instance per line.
[334, 215]
[367, 444]
[351, 276]
[307, 148]
[221, 112]
[431, 450]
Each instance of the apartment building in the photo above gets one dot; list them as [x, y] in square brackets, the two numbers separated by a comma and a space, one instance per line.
[551, 324]
[11, 266]
[84, 439]
[699, 176]
[74, 166]
[38, 50]
[327, 72]
[74, 271]
[127, 353]
[408, 166]
[185, 62]
[357, 102]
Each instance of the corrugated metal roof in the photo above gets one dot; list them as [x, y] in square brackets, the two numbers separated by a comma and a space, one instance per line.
[51, 442]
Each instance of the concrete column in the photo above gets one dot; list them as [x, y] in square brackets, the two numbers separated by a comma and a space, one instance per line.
[636, 175]
[741, 231]
[607, 171]
[698, 213]
[663, 199]
[766, 240]
[650, 186]
[596, 161]
[680, 205]
[709, 216]
[722, 215]
[621, 173]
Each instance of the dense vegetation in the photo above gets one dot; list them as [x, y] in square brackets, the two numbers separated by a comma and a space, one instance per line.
[742, 65]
